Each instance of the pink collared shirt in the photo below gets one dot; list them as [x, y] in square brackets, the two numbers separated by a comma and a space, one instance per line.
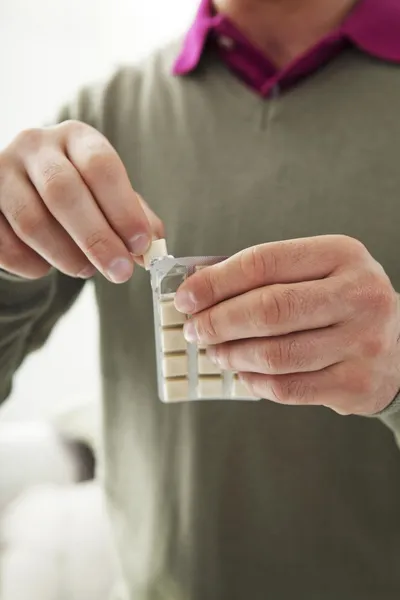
[373, 26]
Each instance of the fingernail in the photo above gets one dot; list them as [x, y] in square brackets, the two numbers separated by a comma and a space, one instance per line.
[190, 333]
[87, 272]
[139, 244]
[120, 270]
[185, 302]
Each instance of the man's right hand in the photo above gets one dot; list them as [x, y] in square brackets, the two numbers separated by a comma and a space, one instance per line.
[66, 201]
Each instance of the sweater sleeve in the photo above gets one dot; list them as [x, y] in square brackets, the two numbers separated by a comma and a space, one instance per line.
[30, 309]
[28, 312]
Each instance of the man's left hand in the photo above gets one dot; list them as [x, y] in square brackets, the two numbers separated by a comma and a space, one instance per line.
[313, 321]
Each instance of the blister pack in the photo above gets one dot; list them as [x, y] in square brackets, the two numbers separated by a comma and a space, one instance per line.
[184, 371]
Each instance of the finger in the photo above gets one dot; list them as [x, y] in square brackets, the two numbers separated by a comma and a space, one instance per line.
[33, 224]
[295, 353]
[344, 387]
[16, 257]
[105, 175]
[157, 226]
[271, 311]
[68, 199]
[284, 262]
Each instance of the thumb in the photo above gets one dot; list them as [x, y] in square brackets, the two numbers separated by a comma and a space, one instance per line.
[156, 225]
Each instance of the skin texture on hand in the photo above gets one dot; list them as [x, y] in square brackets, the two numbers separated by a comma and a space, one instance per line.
[311, 321]
[66, 202]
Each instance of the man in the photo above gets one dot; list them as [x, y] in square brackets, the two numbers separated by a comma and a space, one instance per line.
[274, 127]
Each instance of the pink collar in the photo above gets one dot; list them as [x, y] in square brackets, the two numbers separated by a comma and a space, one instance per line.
[373, 26]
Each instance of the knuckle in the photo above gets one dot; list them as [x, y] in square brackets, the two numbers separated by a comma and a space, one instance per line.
[271, 310]
[355, 249]
[30, 139]
[272, 307]
[295, 355]
[254, 261]
[363, 384]
[383, 298]
[358, 382]
[270, 357]
[373, 292]
[374, 345]
[55, 181]
[279, 392]
[71, 126]
[289, 390]
[101, 165]
[292, 304]
[51, 172]
[356, 295]
[98, 245]
[26, 222]
[280, 356]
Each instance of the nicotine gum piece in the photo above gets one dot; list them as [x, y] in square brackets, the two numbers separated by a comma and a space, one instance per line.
[169, 315]
[175, 365]
[239, 390]
[158, 249]
[206, 367]
[172, 340]
[210, 387]
[176, 390]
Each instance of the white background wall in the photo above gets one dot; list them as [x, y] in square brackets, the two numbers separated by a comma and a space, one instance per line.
[48, 48]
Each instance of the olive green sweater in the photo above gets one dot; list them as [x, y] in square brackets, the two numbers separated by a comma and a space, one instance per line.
[238, 501]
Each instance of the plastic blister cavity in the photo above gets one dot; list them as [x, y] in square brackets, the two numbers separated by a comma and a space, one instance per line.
[184, 371]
